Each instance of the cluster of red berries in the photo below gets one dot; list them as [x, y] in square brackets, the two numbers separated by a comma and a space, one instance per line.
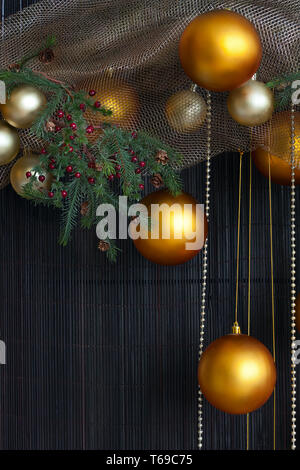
[141, 164]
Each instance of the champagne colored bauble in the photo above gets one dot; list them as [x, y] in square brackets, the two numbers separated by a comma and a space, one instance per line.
[172, 250]
[115, 95]
[298, 312]
[23, 106]
[18, 172]
[186, 111]
[237, 374]
[9, 143]
[220, 50]
[251, 104]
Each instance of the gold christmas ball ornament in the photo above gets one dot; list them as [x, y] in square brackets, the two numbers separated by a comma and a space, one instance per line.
[298, 312]
[220, 50]
[173, 235]
[19, 174]
[9, 143]
[23, 106]
[237, 374]
[251, 104]
[278, 139]
[185, 111]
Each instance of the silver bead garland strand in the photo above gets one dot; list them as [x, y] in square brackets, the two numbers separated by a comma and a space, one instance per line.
[204, 273]
[293, 283]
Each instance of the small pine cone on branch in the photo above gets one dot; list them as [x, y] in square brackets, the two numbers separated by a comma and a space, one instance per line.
[46, 56]
[84, 208]
[103, 246]
[98, 167]
[157, 181]
[50, 126]
[162, 157]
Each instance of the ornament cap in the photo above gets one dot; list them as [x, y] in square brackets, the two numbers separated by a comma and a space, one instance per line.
[236, 328]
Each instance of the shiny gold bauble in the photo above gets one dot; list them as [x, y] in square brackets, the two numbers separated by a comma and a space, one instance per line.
[9, 143]
[171, 251]
[18, 174]
[23, 106]
[118, 96]
[237, 374]
[278, 138]
[220, 50]
[298, 312]
[185, 111]
[251, 104]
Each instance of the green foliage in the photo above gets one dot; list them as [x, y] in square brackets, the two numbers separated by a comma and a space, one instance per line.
[283, 89]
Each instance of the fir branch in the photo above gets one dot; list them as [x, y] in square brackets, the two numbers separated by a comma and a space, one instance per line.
[70, 211]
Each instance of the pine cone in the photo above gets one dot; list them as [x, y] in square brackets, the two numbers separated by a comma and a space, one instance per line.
[84, 208]
[98, 167]
[157, 181]
[103, 246]
[46, 56]
[50, 126]
[14, 67]
[162, 157]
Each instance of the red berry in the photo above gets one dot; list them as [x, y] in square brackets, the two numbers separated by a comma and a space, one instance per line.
[91, 180]
[133, 135]
[42, 178]
[82, 106]
[92, 92]
[72, 137]
[142, 164]
[64, 193]
[71, 148]
[141, 186]
[50, 194]
[110, 177]
[51, 166]
[43, 151]
[28, 174]
[77, 174]
[134, 159]
[118, 175]
[138, 170]
[91, 164]
[69, 169]
[73, 126]
[118, 167]
[60, 113]
[90, 129]
[52, 160]
[69, 117]
[97, 104]
[57, 128]
[132, 152]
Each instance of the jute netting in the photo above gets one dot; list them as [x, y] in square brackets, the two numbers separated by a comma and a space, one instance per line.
[137, 41]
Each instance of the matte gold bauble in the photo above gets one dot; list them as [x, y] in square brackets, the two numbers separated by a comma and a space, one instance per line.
[115, 95]
[251, 104]
[298, 312]
[18, 172]
[185, 111]
[23, 106]
[220, 50]
[237, 374]
[9, 143]
[171, 251]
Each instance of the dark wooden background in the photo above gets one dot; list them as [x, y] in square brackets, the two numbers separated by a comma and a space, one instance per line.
[103, 356]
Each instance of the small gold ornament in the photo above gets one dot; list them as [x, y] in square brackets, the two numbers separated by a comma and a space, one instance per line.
[9, 143]
[23, 165]
[251, 104]
[186, 111]
[237, 373]
[220, 50]
[23, 106]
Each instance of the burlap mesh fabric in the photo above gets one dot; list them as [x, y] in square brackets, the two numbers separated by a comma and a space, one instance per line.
[137, 41]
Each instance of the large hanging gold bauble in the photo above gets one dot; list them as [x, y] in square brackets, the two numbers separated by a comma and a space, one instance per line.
[279, 140]
[115, 95]
[26, 164]
[220, 50]
[251, 104]
[171, 251]
[23, 106]
[237, 374]
[185, 111]
[298, 312]
[9, 143]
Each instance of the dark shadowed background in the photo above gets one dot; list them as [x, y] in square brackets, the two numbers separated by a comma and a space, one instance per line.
[103, 356]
